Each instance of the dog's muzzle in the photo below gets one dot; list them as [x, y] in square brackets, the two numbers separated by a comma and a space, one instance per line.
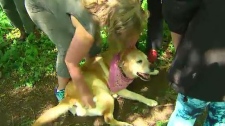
[144, 76]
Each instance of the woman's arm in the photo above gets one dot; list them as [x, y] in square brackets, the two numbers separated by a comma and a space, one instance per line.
[79, 48]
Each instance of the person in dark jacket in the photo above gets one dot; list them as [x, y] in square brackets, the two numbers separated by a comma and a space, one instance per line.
[16, 12]
[198, 69]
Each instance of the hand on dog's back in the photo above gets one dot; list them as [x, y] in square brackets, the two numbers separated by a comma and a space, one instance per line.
[87, 99]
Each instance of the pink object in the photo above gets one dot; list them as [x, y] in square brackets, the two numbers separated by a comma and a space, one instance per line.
[117, 81]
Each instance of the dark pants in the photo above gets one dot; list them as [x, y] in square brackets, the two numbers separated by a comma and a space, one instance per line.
[154, 26]
[16, 12]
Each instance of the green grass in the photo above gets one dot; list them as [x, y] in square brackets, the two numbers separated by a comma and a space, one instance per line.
[27, 62]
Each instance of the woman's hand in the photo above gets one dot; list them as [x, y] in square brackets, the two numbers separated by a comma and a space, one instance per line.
[82, 87]
[87, 99]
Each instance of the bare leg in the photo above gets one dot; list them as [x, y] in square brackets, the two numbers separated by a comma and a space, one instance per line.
[62, 82]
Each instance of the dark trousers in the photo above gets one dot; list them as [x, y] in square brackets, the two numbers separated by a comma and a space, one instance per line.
[16, 12]
[154, 25]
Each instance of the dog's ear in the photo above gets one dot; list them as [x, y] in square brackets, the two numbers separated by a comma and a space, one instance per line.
[121, 63]
[123, 55]
[122, 58]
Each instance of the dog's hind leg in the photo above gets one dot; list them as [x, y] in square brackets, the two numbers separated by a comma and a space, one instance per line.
[113, 122]
[108, 112]
[55, 112]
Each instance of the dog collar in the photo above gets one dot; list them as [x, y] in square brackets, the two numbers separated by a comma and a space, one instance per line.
[117, 80]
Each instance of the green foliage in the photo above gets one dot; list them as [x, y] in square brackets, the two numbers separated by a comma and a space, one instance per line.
[144, 5]
[27, 62]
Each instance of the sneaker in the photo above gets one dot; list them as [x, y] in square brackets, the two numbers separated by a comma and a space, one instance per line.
[59, 94]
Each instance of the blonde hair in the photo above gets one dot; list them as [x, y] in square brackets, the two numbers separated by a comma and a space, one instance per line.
[119, 16]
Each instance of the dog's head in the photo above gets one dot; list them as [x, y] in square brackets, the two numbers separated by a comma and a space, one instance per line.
[134, 63]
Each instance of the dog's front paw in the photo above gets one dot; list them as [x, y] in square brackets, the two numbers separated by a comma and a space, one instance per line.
[115, 95]
[151, 102]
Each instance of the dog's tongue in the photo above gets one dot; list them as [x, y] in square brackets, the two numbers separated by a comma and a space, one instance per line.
[117, 81]
[144, 75]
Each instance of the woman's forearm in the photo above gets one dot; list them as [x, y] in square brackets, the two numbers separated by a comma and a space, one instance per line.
[76, 52]
[77, 78]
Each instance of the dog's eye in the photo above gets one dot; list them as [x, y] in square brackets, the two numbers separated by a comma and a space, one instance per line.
[139, 61]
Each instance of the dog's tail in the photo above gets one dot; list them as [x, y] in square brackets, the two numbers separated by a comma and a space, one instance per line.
[55, 112]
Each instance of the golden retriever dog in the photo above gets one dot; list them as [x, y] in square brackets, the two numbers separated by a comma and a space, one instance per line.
[107, 75]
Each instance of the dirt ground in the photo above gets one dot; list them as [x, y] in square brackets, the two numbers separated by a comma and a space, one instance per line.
[20, 107]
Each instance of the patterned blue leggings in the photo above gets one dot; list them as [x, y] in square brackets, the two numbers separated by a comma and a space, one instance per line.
[185, 113]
